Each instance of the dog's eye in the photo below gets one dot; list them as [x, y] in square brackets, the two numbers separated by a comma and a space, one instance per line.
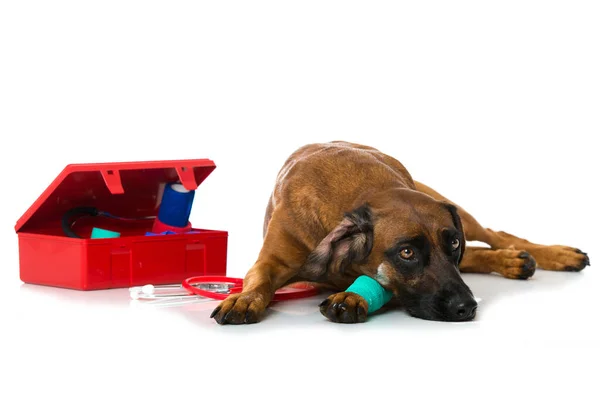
[407, 253]
[455, 243]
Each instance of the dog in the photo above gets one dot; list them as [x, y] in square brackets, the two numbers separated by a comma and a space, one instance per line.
[340, 210]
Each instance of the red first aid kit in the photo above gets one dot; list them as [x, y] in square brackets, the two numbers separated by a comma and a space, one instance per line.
[133, 192]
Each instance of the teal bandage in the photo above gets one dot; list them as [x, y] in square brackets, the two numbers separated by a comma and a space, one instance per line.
[98, 233]
[375, 295]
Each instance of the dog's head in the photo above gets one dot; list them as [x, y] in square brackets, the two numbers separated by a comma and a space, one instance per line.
[412, 245]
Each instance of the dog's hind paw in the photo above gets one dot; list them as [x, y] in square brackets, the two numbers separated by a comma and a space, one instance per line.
[560, 258]
[345, 307]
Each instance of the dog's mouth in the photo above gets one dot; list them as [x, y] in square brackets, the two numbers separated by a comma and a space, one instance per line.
[436, 315]
[461, 308]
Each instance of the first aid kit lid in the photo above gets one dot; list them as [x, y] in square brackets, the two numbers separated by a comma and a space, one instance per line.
[131, 189]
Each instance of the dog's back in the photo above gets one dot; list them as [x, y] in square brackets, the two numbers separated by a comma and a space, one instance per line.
[318, 182]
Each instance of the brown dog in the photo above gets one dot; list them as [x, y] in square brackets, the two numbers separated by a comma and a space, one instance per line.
[340, 210]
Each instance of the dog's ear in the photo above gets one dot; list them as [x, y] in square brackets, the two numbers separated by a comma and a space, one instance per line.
[349, 242]
[458, 225]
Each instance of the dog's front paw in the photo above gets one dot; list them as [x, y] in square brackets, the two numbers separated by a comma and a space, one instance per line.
[345, 307]
[241, 308]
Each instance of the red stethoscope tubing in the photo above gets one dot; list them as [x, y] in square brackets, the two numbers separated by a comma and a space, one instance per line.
[291, 292]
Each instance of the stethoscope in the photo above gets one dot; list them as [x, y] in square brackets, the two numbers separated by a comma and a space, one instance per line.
[215, 288]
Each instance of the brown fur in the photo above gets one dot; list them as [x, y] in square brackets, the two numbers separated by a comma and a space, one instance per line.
[338, 207]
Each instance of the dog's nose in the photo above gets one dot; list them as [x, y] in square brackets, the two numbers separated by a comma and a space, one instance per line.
[462, 309]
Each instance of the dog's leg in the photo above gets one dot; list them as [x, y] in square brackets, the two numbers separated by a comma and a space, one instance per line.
[555, 258]
[279, 260]
[514, 264]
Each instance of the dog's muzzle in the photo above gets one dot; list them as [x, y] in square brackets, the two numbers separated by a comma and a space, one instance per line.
[454, 303]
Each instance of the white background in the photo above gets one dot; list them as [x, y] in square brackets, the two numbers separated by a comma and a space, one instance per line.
[494, 105]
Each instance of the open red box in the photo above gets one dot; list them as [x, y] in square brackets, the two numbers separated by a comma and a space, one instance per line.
[47, 256]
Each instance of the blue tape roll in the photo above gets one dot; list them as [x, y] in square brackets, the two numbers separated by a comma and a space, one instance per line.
[176, 205]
